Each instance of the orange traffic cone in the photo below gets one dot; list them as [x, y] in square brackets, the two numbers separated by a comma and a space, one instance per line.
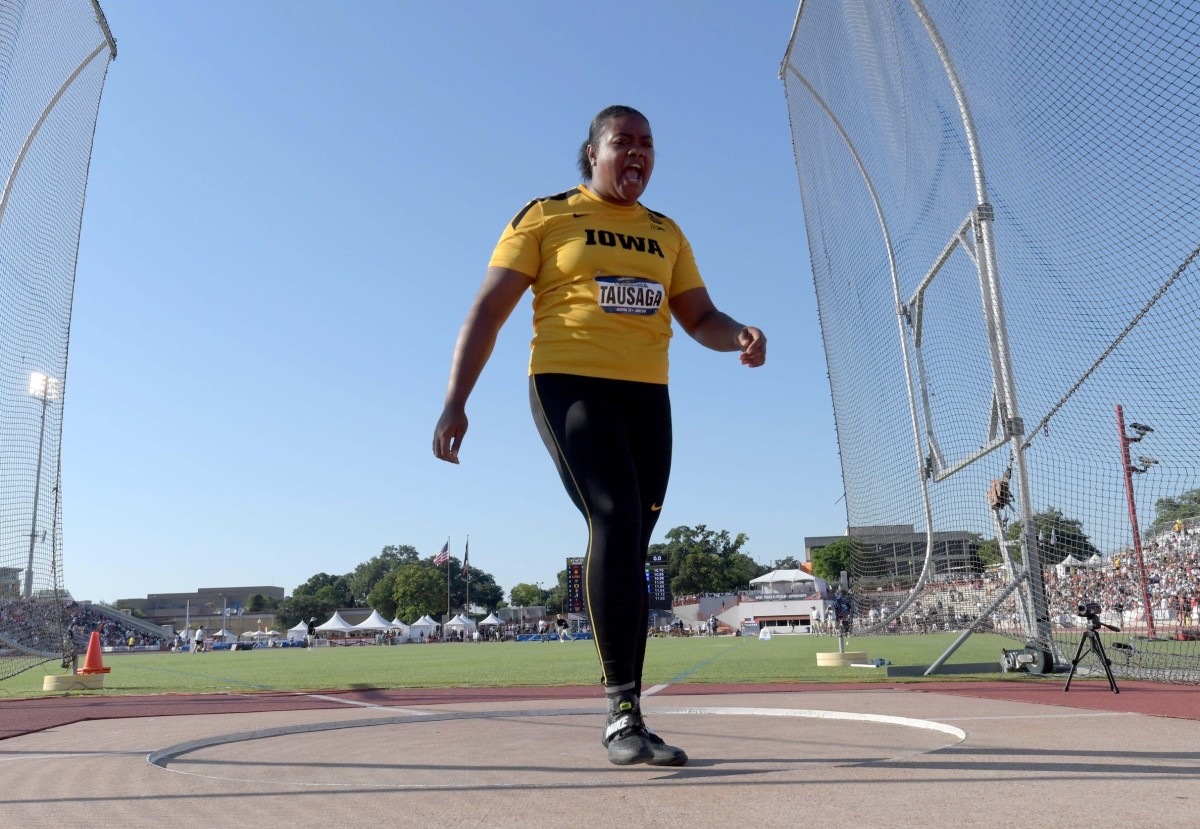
[93, 663]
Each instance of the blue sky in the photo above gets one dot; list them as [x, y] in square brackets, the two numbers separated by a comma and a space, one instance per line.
[290, 208]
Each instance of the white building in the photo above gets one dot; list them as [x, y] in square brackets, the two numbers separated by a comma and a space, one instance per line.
[783, 601]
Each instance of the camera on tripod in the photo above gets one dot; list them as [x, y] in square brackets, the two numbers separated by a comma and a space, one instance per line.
[1089, 641]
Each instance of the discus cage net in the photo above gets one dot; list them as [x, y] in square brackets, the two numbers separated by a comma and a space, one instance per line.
[1000, 204]
[54, 57]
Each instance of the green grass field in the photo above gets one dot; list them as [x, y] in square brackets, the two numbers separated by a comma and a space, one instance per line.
[668, 661]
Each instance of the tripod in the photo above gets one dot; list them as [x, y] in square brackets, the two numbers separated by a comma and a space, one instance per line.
[1090, 642]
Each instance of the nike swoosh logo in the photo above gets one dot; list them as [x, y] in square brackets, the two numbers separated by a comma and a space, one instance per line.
[579, 215]
[655, 507]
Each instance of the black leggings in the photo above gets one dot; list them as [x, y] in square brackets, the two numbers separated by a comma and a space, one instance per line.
[611, 443]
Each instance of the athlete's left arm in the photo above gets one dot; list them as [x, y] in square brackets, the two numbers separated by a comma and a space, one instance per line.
[712, 328]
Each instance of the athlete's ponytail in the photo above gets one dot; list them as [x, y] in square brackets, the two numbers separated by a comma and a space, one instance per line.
[585, 163]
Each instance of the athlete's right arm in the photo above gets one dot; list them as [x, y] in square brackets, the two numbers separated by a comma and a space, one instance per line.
[501, 291]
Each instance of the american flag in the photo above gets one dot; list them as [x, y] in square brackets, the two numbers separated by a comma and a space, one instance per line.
[443, 555]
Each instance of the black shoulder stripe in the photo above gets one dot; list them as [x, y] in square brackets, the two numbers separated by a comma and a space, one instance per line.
[566, 194]
[517, 219]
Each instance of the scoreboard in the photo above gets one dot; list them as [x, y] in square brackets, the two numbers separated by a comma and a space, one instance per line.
[658, 582]
[575, 585]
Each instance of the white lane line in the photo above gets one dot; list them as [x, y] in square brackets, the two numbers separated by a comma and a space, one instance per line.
[391, 709]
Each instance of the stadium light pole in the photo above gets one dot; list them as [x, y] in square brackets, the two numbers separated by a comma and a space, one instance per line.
[1129, 468]
[44, 388]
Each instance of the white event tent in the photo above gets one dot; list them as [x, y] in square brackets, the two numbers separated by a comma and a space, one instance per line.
[422, 630]
[787, 582]
[1067, 564]
[298, 633]
[461, 622]
[373, 622]
[336, 624]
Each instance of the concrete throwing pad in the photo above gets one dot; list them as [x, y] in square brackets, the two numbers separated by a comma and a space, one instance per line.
[895, 758]
[721, 740]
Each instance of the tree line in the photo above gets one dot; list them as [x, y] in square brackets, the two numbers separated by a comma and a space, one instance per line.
[398, 582]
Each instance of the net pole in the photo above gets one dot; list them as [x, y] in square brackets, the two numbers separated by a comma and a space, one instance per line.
[1014, 572]
[37, 486]
[983, 614]
[902, 318]
[54, 58]
[998, 336]
[102, 21]
[16, 168]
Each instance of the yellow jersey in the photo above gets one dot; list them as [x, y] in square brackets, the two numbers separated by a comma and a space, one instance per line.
[603, 275]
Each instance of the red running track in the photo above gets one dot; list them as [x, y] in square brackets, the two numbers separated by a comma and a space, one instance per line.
[24, 716]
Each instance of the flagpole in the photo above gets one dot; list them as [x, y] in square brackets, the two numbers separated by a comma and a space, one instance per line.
[467, 574]
[447, 590]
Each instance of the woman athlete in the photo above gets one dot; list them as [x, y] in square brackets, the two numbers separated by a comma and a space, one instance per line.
[607, 275]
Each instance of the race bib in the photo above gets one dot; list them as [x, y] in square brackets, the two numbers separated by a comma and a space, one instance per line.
[629, 295]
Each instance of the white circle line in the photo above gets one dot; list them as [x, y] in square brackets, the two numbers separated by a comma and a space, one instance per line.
[858, 716]
[163, 757]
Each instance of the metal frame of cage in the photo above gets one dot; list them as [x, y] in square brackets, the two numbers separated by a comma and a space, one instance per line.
[1005, 423]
